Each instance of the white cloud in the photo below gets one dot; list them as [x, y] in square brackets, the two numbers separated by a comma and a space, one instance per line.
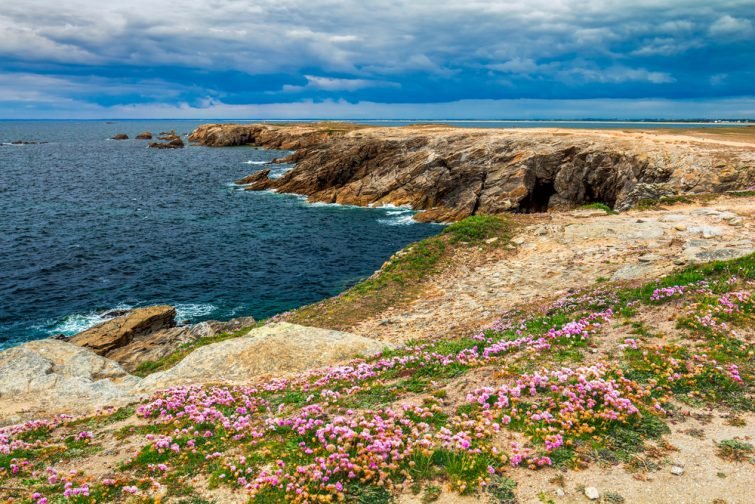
[666, 46]
[619, 74]
[522, 66]
[728, 26]
[48, 89]
[336, 84]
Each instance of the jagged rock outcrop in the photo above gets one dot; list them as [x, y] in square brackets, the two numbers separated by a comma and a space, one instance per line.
[120, 331]
[257, 176]
[151, 347]
[51, 376]
[145, 135]
[271, 349]
[451, 173]
[148, 334]
[156, 345]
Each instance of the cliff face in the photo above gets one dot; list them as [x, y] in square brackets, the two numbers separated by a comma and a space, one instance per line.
[451, 173]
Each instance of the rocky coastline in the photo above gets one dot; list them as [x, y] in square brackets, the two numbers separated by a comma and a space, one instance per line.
[542, 347]
[451, 173]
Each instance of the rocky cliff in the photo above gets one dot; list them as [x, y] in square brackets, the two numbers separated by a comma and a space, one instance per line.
[451, 173]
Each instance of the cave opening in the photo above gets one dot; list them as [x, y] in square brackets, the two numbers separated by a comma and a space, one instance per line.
[538, 198]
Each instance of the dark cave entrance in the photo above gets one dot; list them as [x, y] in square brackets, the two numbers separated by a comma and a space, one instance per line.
[537, 200]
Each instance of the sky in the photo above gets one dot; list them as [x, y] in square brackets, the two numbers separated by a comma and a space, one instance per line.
[468, 59]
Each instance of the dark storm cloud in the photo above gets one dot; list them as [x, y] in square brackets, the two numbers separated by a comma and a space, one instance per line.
[139, 54]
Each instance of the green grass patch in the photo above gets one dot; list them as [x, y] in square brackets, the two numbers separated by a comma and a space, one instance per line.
[742, 194]
[599, 206]
[477, 229]
[366, 494]
[734, 450]
[501, 490]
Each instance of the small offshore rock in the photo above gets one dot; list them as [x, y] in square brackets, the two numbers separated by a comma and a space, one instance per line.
[119, 136]
[677, 470]
[144, 135]
[170, 141]
[175, 143]
[592, 493]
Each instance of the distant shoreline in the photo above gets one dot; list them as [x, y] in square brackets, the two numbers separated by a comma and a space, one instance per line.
[690, 122]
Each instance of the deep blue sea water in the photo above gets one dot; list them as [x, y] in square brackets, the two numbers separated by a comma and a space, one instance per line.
[89, 224]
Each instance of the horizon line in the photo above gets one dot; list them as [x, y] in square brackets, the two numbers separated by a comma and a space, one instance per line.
[430, 120]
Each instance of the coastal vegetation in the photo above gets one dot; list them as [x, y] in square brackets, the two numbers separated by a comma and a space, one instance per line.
[401, 277]
[587, 379]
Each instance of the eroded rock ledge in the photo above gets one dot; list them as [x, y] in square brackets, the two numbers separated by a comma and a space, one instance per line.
[451, 173]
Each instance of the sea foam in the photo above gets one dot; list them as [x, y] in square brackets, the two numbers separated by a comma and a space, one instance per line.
[77, 322]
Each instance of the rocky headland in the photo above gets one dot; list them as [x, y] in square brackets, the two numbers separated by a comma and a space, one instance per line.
[523, 356]
[451, 173]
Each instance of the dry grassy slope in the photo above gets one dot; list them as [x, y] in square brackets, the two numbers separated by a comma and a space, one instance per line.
[549, 255]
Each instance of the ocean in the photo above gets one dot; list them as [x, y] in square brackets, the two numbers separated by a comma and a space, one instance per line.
[89, 224]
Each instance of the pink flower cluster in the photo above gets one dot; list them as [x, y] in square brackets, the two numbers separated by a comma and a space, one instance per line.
[578, 329]
[728, 304]
[668, 292]
[562, 402]
[520, 454]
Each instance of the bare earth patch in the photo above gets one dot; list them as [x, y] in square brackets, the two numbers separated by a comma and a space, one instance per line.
[559, 253]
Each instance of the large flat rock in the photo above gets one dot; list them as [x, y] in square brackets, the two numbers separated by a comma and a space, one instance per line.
[274, 349]
[50, 376]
